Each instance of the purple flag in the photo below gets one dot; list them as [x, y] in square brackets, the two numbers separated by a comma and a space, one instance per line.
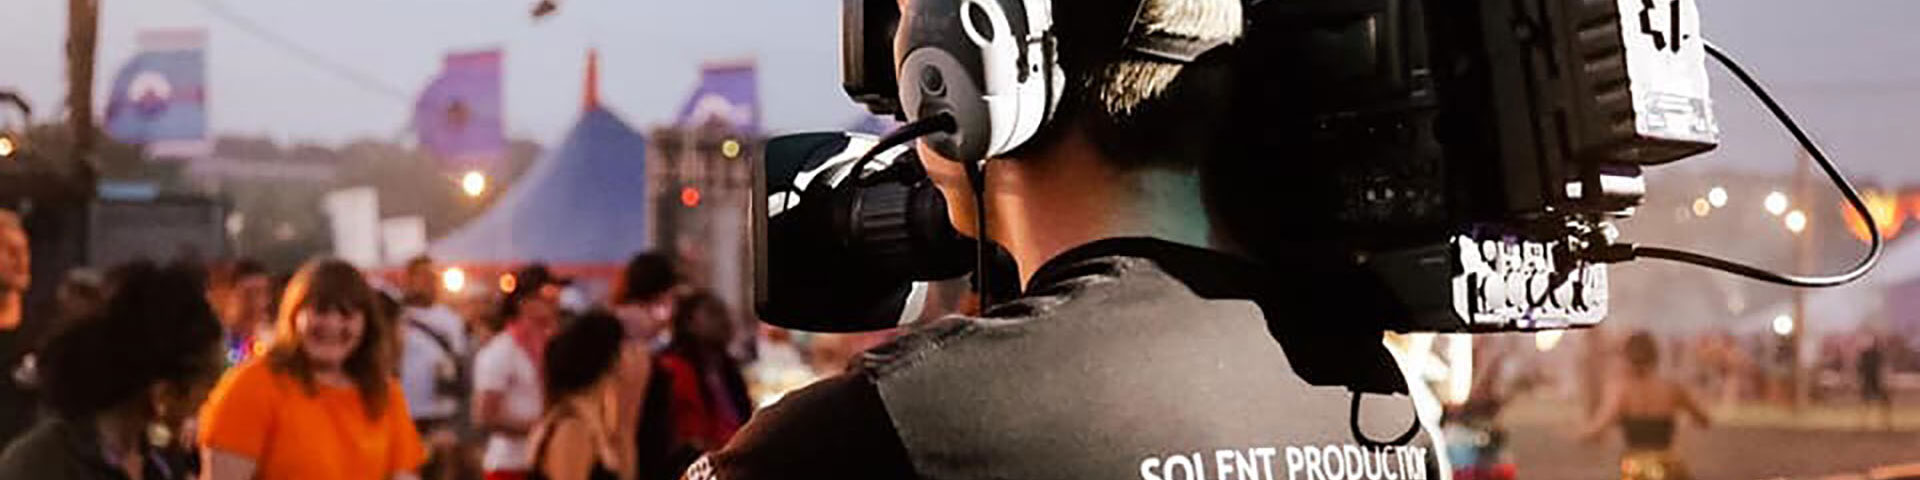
[728, 94]
[458, 116]
[160, 95]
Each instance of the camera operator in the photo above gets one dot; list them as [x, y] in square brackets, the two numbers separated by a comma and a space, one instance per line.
[1140, 348]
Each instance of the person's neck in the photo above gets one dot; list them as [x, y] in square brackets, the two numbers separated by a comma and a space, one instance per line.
[11, 310]
[334, 375]
[420, 301]
[532, 328]
[591, 404]
[1042, 207]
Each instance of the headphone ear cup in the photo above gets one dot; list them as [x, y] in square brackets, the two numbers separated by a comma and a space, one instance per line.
[934, 82]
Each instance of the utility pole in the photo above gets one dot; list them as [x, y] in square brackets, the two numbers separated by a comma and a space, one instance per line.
[1803, 262]
[83, 23]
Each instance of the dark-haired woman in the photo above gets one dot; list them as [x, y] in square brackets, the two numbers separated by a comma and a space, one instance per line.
[321, 403]
[123, 380]
[578, 437]
[698, 398]
[642, 300]
[1647, 409]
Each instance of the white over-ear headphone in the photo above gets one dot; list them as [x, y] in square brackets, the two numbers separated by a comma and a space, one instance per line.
[990, 64]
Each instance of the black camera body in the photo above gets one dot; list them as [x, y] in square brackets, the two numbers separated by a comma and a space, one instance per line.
[1471, 153]
[840, 251]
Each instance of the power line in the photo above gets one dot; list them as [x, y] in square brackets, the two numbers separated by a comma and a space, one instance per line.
[302, 53]
[1878, 87]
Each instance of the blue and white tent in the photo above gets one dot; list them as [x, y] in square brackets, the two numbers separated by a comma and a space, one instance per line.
[585, 203]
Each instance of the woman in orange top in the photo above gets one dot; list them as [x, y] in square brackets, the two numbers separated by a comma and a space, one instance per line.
[321, 403]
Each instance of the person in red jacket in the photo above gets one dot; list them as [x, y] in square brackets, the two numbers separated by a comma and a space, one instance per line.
[697, 397]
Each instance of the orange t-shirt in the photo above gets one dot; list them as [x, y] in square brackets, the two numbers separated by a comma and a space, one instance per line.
[269, 417]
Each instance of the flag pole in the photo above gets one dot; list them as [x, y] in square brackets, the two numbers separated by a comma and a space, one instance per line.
[592, 90]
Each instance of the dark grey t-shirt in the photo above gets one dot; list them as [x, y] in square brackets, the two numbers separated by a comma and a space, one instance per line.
[58, 449]
[1127, 358]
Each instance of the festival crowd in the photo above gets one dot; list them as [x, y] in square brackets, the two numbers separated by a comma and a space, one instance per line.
[176, 371]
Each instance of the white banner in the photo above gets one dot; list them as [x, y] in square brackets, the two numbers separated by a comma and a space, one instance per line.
[355, 217]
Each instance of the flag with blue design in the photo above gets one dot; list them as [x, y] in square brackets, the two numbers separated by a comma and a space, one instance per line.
[728, 94]
[159, 97]
[458, 117]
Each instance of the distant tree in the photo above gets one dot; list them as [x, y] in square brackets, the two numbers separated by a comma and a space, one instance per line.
[281, 219]
[51, 145]
[411, 182]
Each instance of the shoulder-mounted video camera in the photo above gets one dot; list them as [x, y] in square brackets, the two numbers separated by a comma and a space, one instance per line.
[1471, 153]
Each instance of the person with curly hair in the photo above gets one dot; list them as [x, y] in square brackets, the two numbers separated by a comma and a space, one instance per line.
[122, 381]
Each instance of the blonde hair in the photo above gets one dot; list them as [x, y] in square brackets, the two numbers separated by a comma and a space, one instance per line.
[1122, 86]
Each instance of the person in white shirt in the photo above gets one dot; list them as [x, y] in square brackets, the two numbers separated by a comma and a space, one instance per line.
[433, 367]
[507, 399]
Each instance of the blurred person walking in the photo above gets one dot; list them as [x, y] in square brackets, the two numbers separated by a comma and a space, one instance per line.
[577, 438]
[1593, 360]
[705, 398]
[507, 399]
[1477, 446]
[122, 381]
[241, 291]
[1646, 409]
[81, 295]
[643, 299]
[777, 367]
[16, 270]
[17, 402]
[434, 366]
[321, 401]
[1871, 369]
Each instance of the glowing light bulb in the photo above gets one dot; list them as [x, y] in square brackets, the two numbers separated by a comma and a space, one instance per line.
[1776, 203]
[473, 183]
[453, 279]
